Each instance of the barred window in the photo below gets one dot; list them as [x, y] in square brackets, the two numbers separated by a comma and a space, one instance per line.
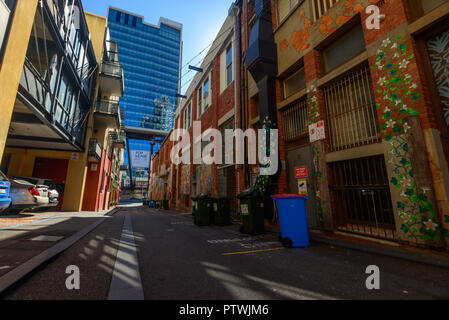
[351, 111]
[294, 120]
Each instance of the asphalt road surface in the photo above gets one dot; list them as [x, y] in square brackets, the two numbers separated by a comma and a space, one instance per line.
[141, 253]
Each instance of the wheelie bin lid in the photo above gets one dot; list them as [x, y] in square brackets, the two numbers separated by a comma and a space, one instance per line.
[248, 193]
[204, 196]
[289, 196]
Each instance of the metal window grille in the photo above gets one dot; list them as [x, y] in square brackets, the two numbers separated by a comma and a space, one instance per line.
[351, 111]
[294, 120]
[361, 198]
[320, 7]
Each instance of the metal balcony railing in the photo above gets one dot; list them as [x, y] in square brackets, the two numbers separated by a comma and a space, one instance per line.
[110, 107]
[118, 139]
[112, 69]
[111, 51]
[95, 150]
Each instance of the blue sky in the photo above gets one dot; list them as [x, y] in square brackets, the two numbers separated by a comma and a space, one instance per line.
[201, 20]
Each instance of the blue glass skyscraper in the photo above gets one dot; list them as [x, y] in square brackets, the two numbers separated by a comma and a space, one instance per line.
[151, 58]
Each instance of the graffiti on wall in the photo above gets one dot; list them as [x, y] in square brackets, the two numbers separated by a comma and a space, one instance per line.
[400, 93]
[185, 180]
[328, 24]
[206, 179]
[438, 48]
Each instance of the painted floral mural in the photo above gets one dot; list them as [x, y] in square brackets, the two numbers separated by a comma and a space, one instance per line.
[328, 24]
[400, 93]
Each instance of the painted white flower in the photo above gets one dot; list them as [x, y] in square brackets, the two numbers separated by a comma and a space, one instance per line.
[406, 182]
[390, 123]
[398, 102]
[406, 127]
[394, 46]
[386, 110]
[407, 77]
[414, 86]
[386, 97]
[379, 52]
[386, 42]
[430, 225]
[403, 64]
[379, 65]
[406, 218]
[382, 81]
[391, 161]
[396, 55]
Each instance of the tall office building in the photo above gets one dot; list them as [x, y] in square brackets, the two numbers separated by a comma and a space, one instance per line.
[151, 58]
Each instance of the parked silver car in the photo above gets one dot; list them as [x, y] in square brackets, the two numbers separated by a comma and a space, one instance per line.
[25, 195]
[53, 194]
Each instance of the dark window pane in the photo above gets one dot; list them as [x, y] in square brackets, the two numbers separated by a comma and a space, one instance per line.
[344, 48]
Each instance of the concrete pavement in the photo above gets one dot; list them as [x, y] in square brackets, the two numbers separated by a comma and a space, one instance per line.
[178, 260]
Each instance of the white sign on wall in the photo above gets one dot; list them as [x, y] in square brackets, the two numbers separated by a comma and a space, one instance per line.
[140, 159]
[317, 131]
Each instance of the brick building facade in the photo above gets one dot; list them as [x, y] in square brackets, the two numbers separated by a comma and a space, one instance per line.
[382, 168]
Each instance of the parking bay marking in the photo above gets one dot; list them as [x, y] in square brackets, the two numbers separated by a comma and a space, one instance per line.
[253, 251]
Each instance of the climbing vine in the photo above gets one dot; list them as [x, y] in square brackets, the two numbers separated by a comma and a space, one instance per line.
[314, 116]
[263, 179]
[399, 93]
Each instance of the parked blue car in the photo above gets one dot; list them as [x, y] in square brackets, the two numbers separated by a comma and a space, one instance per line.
[5, 187]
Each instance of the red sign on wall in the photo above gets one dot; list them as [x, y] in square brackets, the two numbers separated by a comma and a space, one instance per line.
[300, 172]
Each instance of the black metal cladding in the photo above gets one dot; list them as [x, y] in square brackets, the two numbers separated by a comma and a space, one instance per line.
[261, 54]
[261, 62]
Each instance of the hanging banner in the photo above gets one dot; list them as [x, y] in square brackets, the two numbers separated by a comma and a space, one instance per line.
[140, 159]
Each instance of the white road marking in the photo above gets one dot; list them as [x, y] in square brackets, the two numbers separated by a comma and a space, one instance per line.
[126, 283]
[46, 239]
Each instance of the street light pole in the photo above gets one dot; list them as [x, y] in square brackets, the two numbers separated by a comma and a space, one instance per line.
[152, 143]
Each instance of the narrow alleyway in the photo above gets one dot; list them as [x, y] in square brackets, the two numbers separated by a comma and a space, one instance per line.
[178, 260]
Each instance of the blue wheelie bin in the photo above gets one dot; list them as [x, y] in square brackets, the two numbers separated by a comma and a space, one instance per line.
[151, 204]
[292, 219]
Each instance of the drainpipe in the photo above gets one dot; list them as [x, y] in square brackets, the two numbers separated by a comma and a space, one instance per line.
[235, 11]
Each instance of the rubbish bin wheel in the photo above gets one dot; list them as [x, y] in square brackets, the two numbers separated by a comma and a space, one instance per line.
[287, 242]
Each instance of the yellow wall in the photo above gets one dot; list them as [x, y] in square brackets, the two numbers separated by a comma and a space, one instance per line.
[97, 28]
[11, 68]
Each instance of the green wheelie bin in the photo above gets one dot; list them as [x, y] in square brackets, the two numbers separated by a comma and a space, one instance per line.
[165, 204]
[251, 207]
[221, 211]
[204, 211]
